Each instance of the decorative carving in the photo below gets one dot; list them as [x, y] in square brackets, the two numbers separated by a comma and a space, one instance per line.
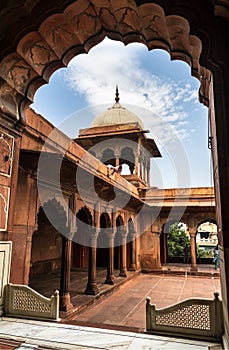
[9, 100]
[192, 316]
[58, 34]
[80, 27]
[17, 73]
[21, 300]
[6, 146]
[36, 51]
[4, 206]
[195, 318]
[178, 28]
[154, 24]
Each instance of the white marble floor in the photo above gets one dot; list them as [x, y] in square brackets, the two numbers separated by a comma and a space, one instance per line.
[37, 335]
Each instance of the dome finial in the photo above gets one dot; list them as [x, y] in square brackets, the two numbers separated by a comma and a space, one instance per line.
[117, 95]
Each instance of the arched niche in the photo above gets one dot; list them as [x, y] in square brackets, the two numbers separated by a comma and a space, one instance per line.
[117, 241]
[46, 251]
[80, 249]
[102, 241]
[206, 240]
[108, 157]
[127, 157]
[131, 246]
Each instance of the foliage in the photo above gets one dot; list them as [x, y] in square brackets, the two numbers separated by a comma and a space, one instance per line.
[203, 253]
[177, 241]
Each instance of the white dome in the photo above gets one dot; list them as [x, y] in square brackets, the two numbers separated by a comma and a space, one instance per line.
[116, 115]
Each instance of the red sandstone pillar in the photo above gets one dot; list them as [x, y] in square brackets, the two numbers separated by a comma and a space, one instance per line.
[28, 250]
[65, 303]
[148, 175]
[133, 252]
[123, 269]
[92, 288]
[145, 172]
[192, 232]
[140, 165]
[110, 266]
[164, 247]
[117, 157]
[136, 165]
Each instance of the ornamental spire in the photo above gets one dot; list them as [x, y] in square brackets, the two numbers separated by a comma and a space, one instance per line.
[117, 95]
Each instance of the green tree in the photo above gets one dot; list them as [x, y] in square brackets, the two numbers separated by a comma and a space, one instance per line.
[177, 241]
[202, 253]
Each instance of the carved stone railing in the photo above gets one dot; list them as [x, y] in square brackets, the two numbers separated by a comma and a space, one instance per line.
[192, 318]
[23, 301]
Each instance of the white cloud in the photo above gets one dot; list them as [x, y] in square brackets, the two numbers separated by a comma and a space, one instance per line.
[95, 75]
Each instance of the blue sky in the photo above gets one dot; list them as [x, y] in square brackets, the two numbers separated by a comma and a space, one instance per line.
[161, 92]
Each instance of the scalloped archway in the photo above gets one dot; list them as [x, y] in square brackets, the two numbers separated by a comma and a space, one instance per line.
[81, 26]
[39, 37]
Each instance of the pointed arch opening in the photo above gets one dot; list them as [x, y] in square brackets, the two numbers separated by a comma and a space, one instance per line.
[175, 243]
[102, 242]
[127, 160]
[80, 252]
[206, 241]
[118, 242]
[46, 251]
[131, 246]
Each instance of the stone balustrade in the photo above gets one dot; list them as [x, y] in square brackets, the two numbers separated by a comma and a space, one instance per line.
[193, 318]
[23, 302]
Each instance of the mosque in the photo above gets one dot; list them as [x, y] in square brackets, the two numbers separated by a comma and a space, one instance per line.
[75, 209]
[107, 217]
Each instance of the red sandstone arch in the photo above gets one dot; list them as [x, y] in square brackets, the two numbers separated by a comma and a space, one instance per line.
[51, 225]
[53, 212]
[86, 213]
[127, 21]
[80, 250]
[197, 219]
[78, 28]
[131, 246]
[207, 219]
[105, 221]
[102, 241]
[108, 157]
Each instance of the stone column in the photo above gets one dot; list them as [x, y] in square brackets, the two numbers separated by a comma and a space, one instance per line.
[110, 266]
[123, 269]
[140, 165]
[164, 250]
[136, 165]
[145, 172]
[133, 252]
[117, 157]
[192, 232]
[65, 304]
[28, 248]
[158, 240]
[148, 175]
[92, 288]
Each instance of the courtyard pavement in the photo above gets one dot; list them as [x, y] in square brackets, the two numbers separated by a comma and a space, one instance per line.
[126, 306]
[48, 283]
[116, 320]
